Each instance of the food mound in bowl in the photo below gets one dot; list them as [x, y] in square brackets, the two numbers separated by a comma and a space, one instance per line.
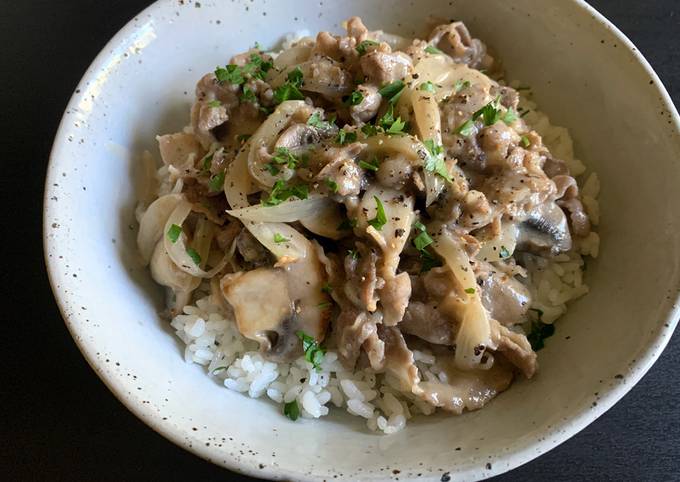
[374, 222]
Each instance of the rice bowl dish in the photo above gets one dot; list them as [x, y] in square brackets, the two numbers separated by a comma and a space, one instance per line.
[368, 222]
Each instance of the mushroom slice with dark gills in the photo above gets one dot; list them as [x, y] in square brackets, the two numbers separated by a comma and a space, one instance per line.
[294, 303]
[545, 231]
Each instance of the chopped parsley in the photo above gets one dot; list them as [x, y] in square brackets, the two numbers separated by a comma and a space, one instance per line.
[428, 261]
[248, 95]
[524, 140]
[387, 122]
[422, 240]
[427, 87]
[466, 129]
[490, 113]
[363, 46]
[283, 156]
[347, 224]
[460, 85]
[431, 49]
[281, 192]
[291, 410]
[435, 160]
[345, 137]
[510, 116]
[291, 89]
[353, 253]
[380, 218]
[504, 253]
[392, 91]
[327, 288]
[231, 74]
[216, 182]
[325, 305]
[313, 351]
[316, 121]
[369, 166]
[272, 169]
[470, 291]
[370, 130]
[193, 254]
[214, 103]
[539, 331]
[174, 232]
[355, 98]
[332, 185]
[278, 238]
[207, 161]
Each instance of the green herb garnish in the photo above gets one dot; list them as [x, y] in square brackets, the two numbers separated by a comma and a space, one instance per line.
[524, 140]
[345, 137]
[380, 218]
[353, 253]
[539, 331]
[370, 130]
[282, 155]
[332, 185]
[291, 410]
[510, 116]
[327, 288]
[248, 95]
[193, 254]
[174, 232]
[364, 45]
[470, 291]
[216, 182]
[218, 369]
[431, 49]
[231, 74]
[435, 160]
[325, 304]
[369, 166]
[214, 103]
[316, 121]
[422, 240]
[347, 224]
[490, 113]
[427, 87]
[466, 129]
[355, 98]
[460, 85]
[281, 192]
[313, 351]
[428, 261]
[278, 238]
[291, 89]
[392, 91]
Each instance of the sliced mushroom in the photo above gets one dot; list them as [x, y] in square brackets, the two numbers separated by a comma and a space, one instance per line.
[545, 231]
[298, 136]
[270, 323]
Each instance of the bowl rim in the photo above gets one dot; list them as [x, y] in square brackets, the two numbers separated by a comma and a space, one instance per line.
[510, 460]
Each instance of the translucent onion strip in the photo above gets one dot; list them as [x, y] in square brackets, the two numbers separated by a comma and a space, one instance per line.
[474, 333]
[178, 250]
[153, 222]
[286, 212]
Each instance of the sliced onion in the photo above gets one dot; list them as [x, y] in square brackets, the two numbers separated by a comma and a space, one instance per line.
[265, 136]
[325, 221]
[428, 123]
[237, 180]
[291, 57]
[165, 272]
[286, 212]
[294, 248]
[178, 250]
[409, 146]
[152, 224]
[475, 330]
[503, 244]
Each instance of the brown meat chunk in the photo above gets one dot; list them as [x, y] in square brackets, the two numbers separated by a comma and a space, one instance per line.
[384, 67]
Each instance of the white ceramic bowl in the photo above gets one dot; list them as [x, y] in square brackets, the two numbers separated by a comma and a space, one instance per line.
[586, 75]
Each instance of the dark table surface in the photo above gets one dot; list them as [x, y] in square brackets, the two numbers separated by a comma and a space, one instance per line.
[59, 421]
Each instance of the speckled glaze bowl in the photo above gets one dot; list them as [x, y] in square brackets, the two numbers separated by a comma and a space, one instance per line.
[586, 75]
